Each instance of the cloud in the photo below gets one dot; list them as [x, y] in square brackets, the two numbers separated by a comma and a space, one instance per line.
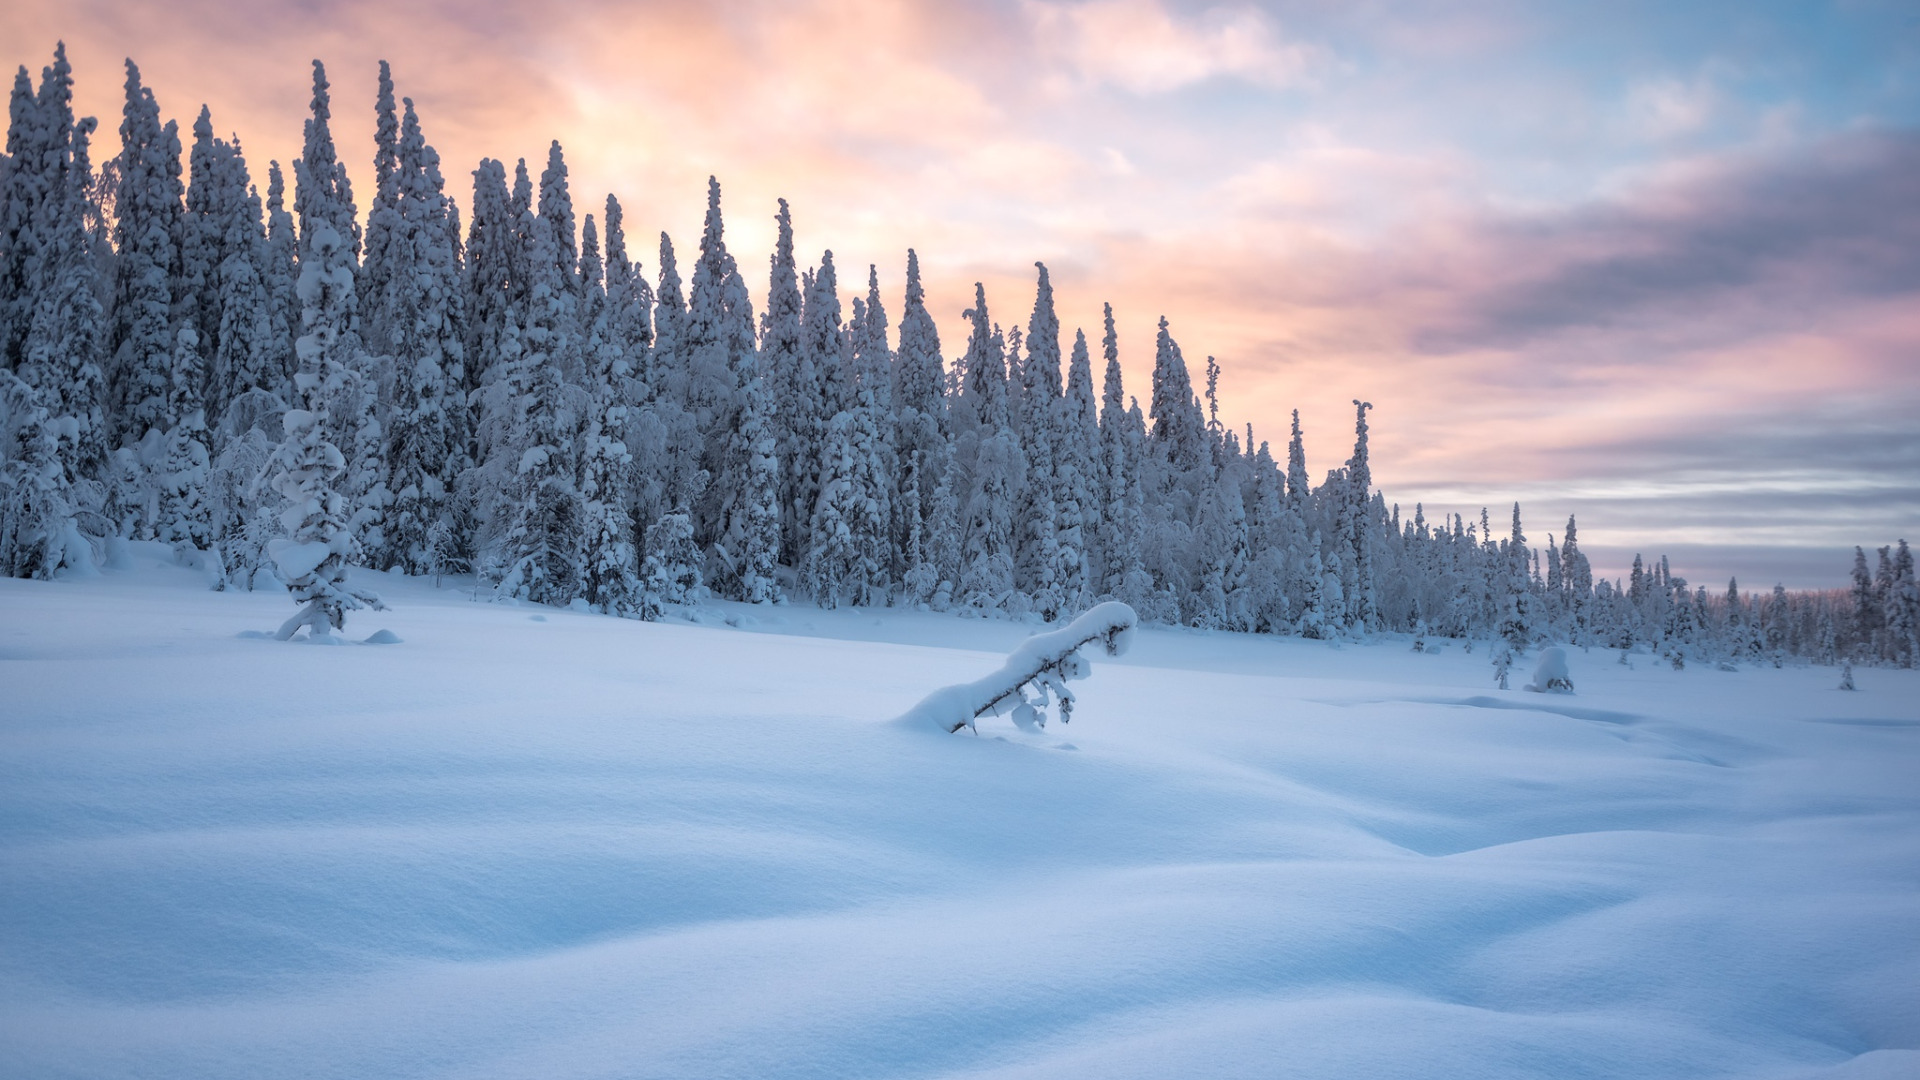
[1140, 46]
[1781, 237]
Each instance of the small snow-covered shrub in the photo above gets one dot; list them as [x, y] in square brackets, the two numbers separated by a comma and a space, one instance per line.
[1550, 674]
[1044, 663]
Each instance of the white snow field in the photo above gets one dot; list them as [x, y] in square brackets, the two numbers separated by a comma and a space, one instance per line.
[525, 842]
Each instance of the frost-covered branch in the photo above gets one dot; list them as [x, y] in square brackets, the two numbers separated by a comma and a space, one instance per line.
[1043, 664]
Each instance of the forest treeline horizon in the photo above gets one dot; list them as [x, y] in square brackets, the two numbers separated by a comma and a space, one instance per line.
[283, 391]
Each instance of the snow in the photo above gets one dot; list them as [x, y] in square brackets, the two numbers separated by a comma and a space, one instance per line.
[1045, 661]
[295, 559]
[1550, 675]
[596, 847]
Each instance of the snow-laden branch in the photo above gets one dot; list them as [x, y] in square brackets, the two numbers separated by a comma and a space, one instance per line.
[1043, 663]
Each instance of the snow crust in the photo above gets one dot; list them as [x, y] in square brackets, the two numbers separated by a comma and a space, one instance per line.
[595, 847]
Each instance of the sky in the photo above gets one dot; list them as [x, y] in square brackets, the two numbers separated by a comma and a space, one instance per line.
[1656, 265]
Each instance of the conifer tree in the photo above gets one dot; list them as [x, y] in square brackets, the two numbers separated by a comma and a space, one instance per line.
[425, 437]
[609, 562]
[1517, 615]
[1362, 602]
[314, 560]
[383, 249]
[492, 273]
[322, 192]
[186, 512]
[146, 240]
[280, 274]
[759, 532]
[1037, 558]
[546, 533]
[1115, 529]
[65, 328]
[921, 441]
[556, 214]
[795, 387]
[36, 509]
[1179, 432]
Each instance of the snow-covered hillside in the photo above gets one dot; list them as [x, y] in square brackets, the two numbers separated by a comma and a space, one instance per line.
[526, 842]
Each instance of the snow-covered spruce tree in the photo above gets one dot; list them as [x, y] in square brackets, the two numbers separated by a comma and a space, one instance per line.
[921, 443]
[848, 558]
[795, 388]
[672, 570]
[65, 331]
[1042, 665]
[1903, 610]
[759, 530]
[721, 360]
[1076, 469]
[1363, 604]
[186, 518]
[323, 195]
[609, 562]
[989, 461]
[1037, 546]
[425, 436]
[36, 510]
[1118, 532]
[280, 273]
[146, 232]
[1179, 431]
[322, 192]
[377, 270]
[492, 264]
[545, 537]
[1516, 613]
[19, 191]
[314, 557]
[251, 342]
[556, 214]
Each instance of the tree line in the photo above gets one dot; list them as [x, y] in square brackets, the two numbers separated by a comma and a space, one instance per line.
[281, 392]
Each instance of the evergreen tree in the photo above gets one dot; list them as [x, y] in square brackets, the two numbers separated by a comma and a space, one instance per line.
[759, 533]
[795, 386]
[36, 508]
[322, 192]
[556, 214]
[610, 564]
[1038, 560]
[1517, 616]
[383, 248]
[493, 275]
[65, 328]
[425, 437]
[1179, 433]
[311, 469]
[546, 535]
[186, 511]
[146, 236]
[280, 275]
[1362, 610]
[921, 442]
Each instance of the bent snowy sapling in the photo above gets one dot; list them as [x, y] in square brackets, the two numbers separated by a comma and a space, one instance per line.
[1043, 664]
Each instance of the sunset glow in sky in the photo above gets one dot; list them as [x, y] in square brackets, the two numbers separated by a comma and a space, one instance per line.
[1655, 264]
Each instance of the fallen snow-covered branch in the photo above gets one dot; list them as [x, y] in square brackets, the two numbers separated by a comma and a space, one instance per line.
[1045, 663]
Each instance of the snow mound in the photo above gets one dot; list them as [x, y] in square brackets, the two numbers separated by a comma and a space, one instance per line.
[382, 637]
[1044, 661]
[1550, 674]
[297, 560]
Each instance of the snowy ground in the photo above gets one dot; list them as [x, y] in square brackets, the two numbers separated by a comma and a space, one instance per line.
[534, 843]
